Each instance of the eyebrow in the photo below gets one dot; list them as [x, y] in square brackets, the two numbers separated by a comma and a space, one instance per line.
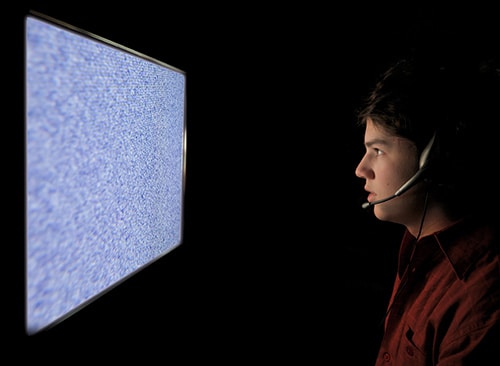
[376, 142]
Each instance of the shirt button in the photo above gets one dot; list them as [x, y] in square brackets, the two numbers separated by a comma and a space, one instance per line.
[409, 351]
[387, 357]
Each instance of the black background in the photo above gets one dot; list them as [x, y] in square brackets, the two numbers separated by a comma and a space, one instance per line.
[278, 261]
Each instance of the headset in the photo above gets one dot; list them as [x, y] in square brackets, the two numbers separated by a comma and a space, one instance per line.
[423, 166]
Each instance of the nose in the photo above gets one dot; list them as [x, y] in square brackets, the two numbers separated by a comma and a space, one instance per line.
[359, 171]
[362, 170]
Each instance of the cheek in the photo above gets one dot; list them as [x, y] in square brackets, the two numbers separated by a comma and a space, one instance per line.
[393, 176]
[404, 172]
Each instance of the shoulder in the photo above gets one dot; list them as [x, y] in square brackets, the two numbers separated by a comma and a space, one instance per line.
[472, 246]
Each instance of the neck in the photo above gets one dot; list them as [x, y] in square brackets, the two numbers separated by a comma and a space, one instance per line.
[433, 219]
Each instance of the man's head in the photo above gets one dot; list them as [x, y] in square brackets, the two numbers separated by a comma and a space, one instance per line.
[414, 101]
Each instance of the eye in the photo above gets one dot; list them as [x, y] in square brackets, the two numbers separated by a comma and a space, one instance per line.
[378, 151]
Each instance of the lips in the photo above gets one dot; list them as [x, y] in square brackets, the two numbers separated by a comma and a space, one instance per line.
[371, 195]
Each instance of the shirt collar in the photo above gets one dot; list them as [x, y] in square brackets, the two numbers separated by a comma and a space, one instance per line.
[461, 243]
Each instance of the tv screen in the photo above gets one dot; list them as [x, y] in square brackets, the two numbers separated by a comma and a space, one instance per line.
[105, 146]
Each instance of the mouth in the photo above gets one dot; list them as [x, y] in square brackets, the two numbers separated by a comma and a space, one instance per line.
[371, 195]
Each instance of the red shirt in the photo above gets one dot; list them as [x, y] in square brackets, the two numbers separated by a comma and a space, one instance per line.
[445, 305]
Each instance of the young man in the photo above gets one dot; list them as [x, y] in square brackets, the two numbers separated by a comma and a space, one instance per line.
[431, 141]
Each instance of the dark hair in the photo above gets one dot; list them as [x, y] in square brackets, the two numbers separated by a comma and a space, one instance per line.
[416, 98]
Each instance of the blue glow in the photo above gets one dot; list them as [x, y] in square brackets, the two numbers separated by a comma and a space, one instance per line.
[104, 167]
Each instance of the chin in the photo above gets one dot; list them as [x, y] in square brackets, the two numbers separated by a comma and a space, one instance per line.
[381, 214]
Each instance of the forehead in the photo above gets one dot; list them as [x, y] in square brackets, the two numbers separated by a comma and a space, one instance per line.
[377, 135]
[376, 131]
